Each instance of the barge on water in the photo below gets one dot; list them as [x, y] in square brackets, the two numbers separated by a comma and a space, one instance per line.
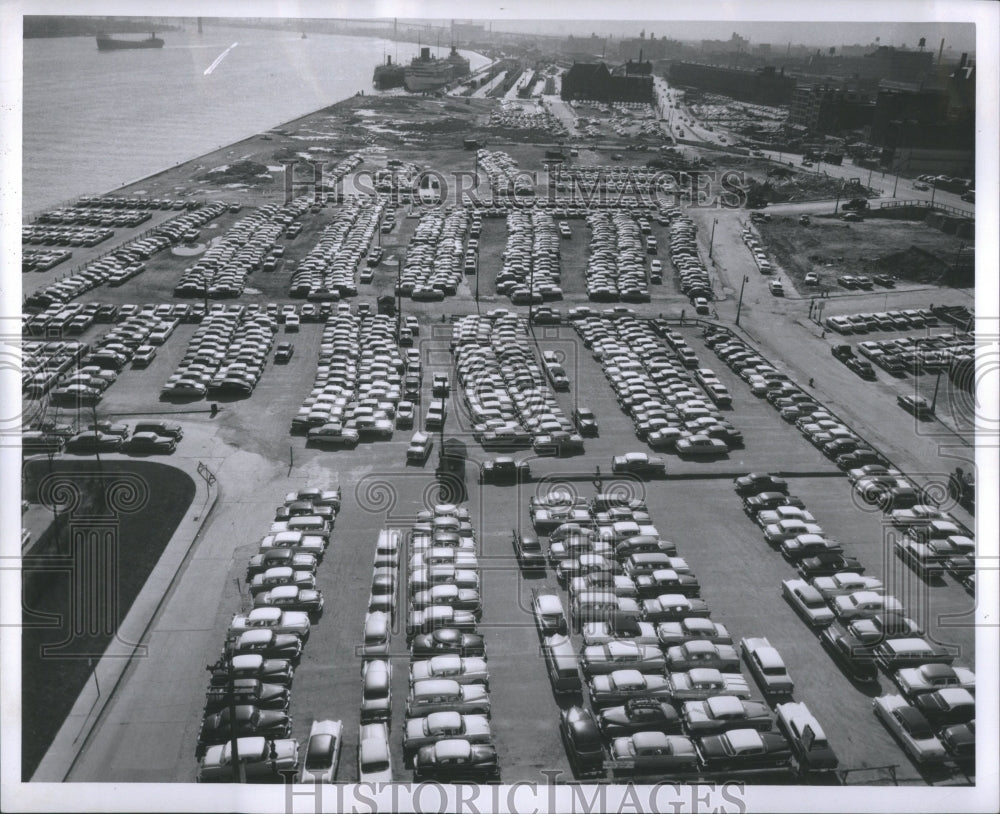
[106, 43]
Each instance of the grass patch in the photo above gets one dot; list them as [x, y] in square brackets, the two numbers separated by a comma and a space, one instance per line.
[51, 683]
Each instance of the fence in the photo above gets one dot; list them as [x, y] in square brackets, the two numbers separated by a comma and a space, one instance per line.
[954, 210]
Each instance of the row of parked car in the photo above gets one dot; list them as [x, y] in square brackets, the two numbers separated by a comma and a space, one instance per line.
[901, 320]
[616, 263]
[670, 409]
[691, 272]
[837, 441]
[49, 235]
[359, 382]
[664, 681]
[434, 266]
[504, 178]
[125, 261]
[249, 692]
[505, 390]
[75, 374]
[226, 354]
[327, 272]
[148, 437]
[518, 119]
[447, 735]
[916, 355]
[95, 215]
[865, 629]
[251, 243]
[530, 272]
[43, 259]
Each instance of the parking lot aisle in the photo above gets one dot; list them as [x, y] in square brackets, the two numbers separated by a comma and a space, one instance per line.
[524, 710]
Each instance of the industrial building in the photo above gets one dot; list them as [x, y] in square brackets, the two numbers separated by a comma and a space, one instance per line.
[765, 86]
[594, 81]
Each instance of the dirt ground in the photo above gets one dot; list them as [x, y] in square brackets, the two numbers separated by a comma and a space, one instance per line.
[908, 250]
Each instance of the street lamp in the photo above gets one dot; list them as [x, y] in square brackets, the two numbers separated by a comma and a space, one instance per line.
[739, 305]
[933, 191]
[711, 240]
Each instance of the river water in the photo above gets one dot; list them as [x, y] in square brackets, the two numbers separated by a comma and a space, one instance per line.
[96, 120]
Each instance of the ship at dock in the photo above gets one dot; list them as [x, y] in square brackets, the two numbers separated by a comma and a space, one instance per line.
[106, 43]
[388, 75]
[428, 73]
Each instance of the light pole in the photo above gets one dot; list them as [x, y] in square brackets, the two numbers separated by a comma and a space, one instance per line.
[933, 191]
[711, 240]
[739, 305]
[896, 183]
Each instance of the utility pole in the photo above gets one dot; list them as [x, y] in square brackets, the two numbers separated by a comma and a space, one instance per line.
[711, 240]
[937, 384]
[933, 191]
[739, 305]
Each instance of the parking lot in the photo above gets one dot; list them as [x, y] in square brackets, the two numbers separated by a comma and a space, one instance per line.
[257, 461]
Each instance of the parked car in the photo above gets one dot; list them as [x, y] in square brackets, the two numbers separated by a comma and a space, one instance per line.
[456, 759]
[809, 744]
[653, 753]
[911, 728]
[767, 667]
[639, 715]
[721, 713]
[582, 739]
[421, 732]
[807, 602]
[741, 749]
[263, 759]
[322, 753]
[374, 759]
[638, 463]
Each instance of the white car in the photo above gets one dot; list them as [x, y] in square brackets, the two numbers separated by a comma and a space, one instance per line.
[467, 670]
[910, 727]
[767, 667]
[914, 681]
[374, 759]
[430, 729]
[322, 753]
[845, 583]
[808, 602]
[865, 605]
[273, 619]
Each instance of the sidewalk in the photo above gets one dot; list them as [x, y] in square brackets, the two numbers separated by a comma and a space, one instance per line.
[76, 729]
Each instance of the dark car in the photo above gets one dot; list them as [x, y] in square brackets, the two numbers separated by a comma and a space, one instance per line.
[916, 405]
[528, 551]
[743, 749]
[854, 658]
[151, 442]
[756, 483]
[884, 280]
[860, 457]
[766, 501]
[270, 671]
[640, 715]
[504, 469]
[284, 352]
[827, 563]
[94, 441]
[447, 640]
[249, 721]
[247, 691]
[456, 759]
[582, 738]
[862, 368]
[586, 422]
[952, 705]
